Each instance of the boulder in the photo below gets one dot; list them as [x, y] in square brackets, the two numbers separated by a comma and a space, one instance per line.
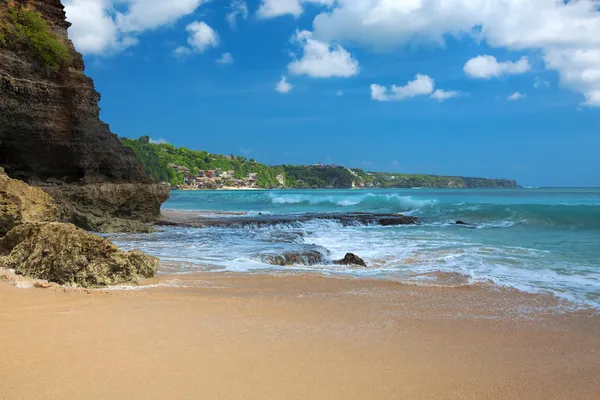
[351, 259]
[21, 203]
[67, 255]
[309, 257]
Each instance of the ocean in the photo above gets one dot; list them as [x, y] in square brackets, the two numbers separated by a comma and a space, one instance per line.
[534, 240]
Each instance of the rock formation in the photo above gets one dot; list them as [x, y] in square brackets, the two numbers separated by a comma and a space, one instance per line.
[308, 257]
[351, 259]
[67, 255]
[20, 203]
[50, 130]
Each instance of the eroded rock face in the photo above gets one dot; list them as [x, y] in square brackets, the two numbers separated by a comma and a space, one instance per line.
[67, 255]
[49, 121]
[51, 134]
[109, 207]
[20, 203]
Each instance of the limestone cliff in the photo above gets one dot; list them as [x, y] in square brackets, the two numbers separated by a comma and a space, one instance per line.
[50, 130]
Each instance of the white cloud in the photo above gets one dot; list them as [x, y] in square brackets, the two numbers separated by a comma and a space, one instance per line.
[182, 52]
[516, 96]
[339, 93]
[486, 67]
[201, 36]
[93, 30]
[443, 95]
[283, 86]
[225, 59]
[99, 29]
[422, 85]
[322, 60]
[277, 8]
[238, 8]
[149, 14]
[593, 98]
[566, 33]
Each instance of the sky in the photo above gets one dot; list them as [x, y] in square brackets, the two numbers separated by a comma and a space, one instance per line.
[498, 89]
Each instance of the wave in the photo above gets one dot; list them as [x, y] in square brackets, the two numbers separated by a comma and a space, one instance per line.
[481, 209]
[369, 201]
[533, 215]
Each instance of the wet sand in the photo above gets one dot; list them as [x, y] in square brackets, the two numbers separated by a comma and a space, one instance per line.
[294, 337]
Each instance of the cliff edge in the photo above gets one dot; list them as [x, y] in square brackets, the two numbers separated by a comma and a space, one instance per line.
[51, 134]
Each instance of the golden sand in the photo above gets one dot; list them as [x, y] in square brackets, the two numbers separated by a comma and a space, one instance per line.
[294, 337]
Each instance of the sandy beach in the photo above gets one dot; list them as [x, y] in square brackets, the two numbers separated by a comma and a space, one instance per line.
[249, 336]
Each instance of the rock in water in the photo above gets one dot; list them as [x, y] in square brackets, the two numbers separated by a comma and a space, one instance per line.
[50, 129]
[351, 259]
[309, 257]
[67, 255]
[20, 203]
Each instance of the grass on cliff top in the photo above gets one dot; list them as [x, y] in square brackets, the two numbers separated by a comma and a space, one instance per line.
[28, 27]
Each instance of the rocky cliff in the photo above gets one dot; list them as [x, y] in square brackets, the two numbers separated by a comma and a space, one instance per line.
[50, 130]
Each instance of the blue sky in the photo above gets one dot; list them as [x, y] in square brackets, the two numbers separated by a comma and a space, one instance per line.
[340, 107]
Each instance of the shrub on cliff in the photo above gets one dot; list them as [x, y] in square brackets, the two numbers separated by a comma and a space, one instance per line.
[20, 25]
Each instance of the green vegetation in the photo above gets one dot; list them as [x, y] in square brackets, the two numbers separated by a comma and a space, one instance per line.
[156, 158]
[159, 159]
[24, 26]
[301, 176]
[395, 180]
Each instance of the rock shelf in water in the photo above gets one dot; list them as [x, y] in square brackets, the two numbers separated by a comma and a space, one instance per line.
[346, 219]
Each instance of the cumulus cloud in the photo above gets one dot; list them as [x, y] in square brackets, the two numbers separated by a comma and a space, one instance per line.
[277, 8]
[422, 85]
[443, 95]
[225, 59]
[93, 30]
[99, 29]
[566, 33]
[486, 67]
[182, 52]
[238, 8]
[201, 36]
[322, 60]
[516, 96]
[283, 86]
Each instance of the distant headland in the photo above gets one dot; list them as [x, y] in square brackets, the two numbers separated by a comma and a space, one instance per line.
[197, 170]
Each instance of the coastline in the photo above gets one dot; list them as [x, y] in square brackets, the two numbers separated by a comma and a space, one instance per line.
[231, 336]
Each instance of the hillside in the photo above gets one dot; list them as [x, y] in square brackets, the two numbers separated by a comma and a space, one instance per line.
[189, 169]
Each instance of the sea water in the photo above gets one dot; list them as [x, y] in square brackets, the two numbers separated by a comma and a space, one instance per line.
[535, 240]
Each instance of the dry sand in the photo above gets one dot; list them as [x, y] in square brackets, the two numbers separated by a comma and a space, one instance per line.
[294, 337]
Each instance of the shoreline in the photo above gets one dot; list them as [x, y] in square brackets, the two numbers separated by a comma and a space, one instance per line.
[254, 336]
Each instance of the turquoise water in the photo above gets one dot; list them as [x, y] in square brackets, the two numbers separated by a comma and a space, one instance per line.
[537, 240]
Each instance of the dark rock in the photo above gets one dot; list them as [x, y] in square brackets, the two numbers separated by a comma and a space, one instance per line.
[346, 219]
[461, 223]
[67, 255]
[351, 259]
[310, 257]
[51, 133]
